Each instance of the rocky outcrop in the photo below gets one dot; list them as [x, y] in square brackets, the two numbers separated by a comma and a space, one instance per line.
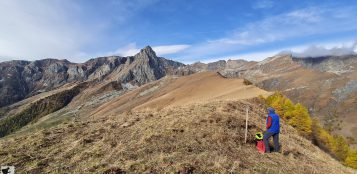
[229, 68]
[333, 64]
[146, 67]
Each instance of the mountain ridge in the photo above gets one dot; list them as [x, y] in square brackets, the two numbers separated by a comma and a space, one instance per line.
[326, 85]
[20, 79]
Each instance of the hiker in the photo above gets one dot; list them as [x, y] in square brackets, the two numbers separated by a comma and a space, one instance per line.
[273, 129]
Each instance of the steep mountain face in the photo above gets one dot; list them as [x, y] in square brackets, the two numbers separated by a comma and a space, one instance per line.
[338, 93]
[334, 64]
[143, 67]
[21, 79]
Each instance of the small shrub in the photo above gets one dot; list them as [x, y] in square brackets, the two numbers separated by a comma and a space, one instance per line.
[351, 159]
[247, 82]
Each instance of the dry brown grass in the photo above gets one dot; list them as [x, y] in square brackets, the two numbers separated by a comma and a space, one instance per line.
[198, 138]
[192, 124]
[170, 92]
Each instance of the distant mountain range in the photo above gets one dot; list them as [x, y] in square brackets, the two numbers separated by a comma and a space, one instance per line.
[21, 79]
[147, 114]
[327, 85]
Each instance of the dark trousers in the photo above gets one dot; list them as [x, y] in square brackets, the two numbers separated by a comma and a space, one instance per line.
[266, 137]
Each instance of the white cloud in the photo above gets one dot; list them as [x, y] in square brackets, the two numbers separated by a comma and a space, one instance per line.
[297, 24]
[283, 26]
[169, 49]
[161, 50]
[257, 56]
[37, 29]
[307, 15]
[3, 59]
[336, 49]
[262, 4]
[128, 50]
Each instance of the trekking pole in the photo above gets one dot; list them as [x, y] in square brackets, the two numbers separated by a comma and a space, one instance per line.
[246, 125]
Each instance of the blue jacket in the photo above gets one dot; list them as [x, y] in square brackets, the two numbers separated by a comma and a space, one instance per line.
[275, 123]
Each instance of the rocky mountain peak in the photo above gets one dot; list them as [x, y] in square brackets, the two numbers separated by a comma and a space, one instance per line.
[146, 52]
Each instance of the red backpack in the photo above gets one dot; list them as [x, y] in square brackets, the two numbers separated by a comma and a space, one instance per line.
[259, 142]
[261, 146]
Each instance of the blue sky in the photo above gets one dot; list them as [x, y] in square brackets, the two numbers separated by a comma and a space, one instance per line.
[183, 30]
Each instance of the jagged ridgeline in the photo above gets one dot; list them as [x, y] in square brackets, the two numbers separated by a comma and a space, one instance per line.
[22, 79]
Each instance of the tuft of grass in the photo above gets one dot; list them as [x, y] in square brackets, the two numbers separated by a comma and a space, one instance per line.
[247, 82]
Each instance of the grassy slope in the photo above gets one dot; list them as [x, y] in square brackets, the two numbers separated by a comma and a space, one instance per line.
[38, 109]
[195, 88]
[203, 138]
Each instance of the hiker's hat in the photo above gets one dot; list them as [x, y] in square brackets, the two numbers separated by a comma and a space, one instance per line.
[270, 109]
